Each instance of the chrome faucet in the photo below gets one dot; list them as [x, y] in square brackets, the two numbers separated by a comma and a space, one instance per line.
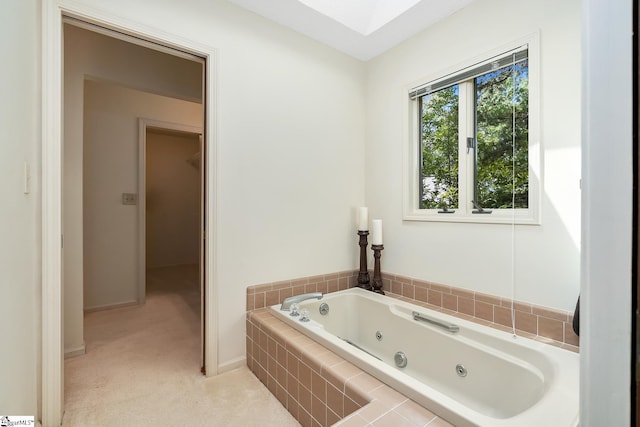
[286, 304]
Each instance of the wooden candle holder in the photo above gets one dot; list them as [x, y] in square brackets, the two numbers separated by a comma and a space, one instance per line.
[363, 274]
[377, 276]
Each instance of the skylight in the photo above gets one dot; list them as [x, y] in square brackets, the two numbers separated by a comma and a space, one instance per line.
[360, 28]
[362, 16]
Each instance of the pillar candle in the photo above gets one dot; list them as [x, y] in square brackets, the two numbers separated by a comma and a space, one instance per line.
[376, 227]
[363, 219]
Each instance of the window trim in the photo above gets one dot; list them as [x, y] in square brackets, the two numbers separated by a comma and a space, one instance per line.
[411, 168]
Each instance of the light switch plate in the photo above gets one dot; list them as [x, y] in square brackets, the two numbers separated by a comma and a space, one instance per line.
[129, 199]
[27, 179]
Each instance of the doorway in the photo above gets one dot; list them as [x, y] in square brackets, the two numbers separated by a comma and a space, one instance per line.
[171, 177]
[53, 315]
[147, 348]
[104, 210]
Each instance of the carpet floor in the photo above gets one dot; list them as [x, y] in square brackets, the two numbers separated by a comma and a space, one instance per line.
[142, 367]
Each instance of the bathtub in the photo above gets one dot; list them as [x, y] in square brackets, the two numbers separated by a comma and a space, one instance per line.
[469, 374]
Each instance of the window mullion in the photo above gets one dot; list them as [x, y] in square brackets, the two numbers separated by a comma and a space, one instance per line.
[466, 122]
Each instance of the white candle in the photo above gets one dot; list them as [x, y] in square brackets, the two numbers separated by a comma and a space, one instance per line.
[363, 219]
[376, 227]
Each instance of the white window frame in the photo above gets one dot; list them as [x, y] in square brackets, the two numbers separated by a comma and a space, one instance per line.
[464, 212]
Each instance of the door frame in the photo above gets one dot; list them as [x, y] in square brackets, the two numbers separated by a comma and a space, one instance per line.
[53, 12]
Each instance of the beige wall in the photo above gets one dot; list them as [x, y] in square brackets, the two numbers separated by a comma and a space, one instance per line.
[20, 294]
[110, 159]
[173, 199]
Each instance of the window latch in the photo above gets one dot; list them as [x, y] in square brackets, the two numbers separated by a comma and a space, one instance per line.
[446, 210]
[471, 144]
[479, 209]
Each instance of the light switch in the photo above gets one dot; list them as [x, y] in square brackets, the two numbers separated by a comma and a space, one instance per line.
[26, 187]
[129, 199]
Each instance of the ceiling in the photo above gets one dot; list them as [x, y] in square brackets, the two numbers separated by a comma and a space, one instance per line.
[360, 28]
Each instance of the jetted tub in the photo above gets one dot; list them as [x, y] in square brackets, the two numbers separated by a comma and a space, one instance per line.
[472, 376]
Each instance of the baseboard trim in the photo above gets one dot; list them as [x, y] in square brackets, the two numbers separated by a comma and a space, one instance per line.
[188, 264]
[73, 352]
[110, 306]
[231, 365]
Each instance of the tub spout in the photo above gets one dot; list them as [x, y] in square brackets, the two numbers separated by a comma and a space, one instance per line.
[286, 304]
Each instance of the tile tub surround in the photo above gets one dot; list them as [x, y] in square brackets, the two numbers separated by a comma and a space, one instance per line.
[318, 387]
[543, 324]
[265, 295]
[540, 323]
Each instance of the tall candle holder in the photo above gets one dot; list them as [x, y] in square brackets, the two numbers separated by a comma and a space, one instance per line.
[377, 276]
[363, 274]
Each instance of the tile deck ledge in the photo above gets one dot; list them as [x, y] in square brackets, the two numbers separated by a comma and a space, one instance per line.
[294, 368]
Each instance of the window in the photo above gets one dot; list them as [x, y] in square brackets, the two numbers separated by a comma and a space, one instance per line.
[473, 151]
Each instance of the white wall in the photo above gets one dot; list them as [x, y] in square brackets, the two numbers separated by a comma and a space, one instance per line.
[607, 263]
[111, 168]
[19, 140]
[290, 142]
[173, 199]
[478, 256]
[91, 55]
[19, 213]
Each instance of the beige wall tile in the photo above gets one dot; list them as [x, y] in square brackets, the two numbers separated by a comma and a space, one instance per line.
[523, 307]
[489, 299]
[281, 395]
[441, 288]
[549, 313]
[408, 290]
[502, 315]
[422, 294]
[463, 293]
[526, 322]
[304, 375]
[304, 398]
[350, 406]
[319, 410]
[421, 284]
[570, 337]
[466, 306]
[292, 385]
[318, 386]
[396, 287]
[293, 407]
[259, 300]
[435, 297]
[551, 328]
[305, 418]
[335, 400]
[450, 302]
[332, 417]
[483, 310]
